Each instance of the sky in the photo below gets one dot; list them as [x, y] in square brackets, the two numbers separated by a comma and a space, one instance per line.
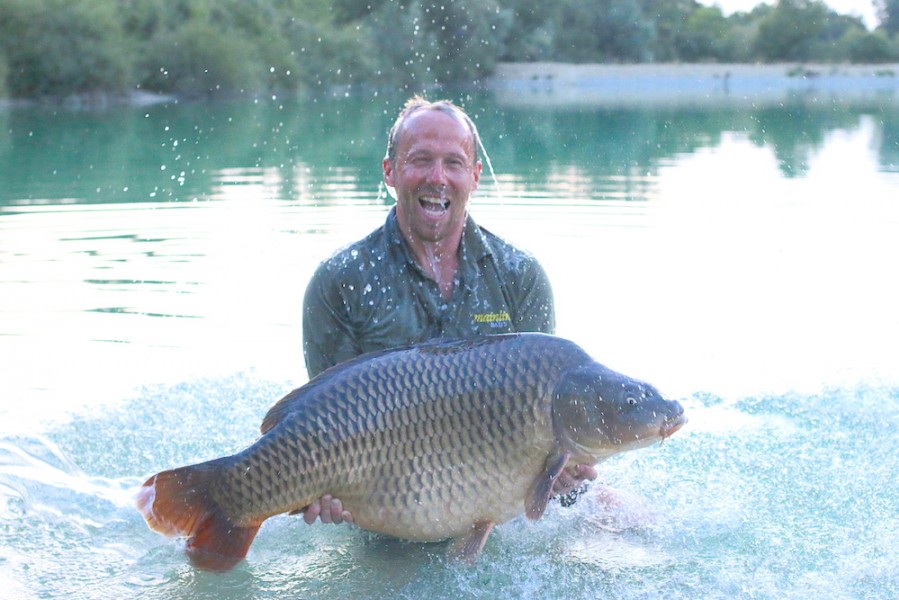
[861, 8]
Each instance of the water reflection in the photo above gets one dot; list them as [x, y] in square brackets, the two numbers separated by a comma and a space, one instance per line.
[180, 152]
[312, 150]
[610, 141]
[152, 263]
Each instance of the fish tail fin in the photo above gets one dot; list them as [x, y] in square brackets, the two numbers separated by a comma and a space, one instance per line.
[179, 502]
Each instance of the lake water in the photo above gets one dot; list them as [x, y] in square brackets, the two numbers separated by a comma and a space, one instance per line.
[740, 255]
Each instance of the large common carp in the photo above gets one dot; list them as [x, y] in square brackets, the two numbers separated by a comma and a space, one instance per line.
[439, 440]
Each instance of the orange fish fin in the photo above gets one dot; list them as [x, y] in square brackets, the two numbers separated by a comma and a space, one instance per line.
[542, 488]
[218, 544]
[468, 547]
[179, 503]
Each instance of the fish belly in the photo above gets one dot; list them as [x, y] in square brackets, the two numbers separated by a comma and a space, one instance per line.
[438, 497]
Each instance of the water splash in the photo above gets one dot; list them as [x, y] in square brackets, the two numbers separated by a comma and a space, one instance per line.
[793, 495]
[488, 162]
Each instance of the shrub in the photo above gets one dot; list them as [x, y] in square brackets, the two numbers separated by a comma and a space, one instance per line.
[4, 74]
[60, 48]
[197, 60]
[868, 47]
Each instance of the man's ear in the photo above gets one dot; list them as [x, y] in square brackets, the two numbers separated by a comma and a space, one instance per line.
[387, 167]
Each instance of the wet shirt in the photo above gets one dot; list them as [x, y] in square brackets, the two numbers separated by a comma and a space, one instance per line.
[372, 295]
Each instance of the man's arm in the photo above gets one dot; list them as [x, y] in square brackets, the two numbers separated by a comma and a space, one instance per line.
[327, 333]
[533, 300]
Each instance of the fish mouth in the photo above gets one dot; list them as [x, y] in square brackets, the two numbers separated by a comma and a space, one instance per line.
[672, 425]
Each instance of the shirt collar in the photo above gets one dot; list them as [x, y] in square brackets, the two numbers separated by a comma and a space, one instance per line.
[473, 247]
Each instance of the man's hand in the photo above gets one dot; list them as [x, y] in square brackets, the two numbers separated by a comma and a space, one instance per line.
[329, 510]
[571, 479]
[570, 483]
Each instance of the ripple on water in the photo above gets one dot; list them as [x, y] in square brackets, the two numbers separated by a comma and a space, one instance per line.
[768, 497]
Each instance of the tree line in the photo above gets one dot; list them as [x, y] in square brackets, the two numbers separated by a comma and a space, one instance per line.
[59, 48]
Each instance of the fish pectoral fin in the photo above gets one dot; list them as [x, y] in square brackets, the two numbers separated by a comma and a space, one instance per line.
[542, 488]
[467, 548]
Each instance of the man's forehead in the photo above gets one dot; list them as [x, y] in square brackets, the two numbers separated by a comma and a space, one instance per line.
[434, 115]
[431, 123]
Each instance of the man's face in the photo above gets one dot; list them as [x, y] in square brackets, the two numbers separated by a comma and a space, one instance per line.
[434, 174]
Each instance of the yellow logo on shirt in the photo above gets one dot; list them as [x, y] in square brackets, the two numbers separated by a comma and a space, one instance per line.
[496, 319]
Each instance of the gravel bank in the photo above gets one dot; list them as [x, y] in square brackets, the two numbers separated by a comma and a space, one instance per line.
[561, 84]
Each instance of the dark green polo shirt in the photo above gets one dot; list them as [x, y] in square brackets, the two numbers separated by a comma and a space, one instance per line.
[372, 295]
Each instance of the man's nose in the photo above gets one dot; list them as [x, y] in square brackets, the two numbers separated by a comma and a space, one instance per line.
[437, 174]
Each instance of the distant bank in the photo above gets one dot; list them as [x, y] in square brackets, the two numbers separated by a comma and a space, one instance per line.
[561, 83]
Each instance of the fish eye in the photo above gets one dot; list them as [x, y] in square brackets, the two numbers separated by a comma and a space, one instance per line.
[631, 401]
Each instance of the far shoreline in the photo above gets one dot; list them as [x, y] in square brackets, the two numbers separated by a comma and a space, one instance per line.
[530, 84]
[562, 84]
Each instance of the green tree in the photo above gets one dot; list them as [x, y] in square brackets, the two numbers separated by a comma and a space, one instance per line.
[869, 47]
[4, 74]
[199, 47]
[328, 54]
[402, 46]
[346, 11]
[60, 48]
[469, 38]
[603, 30]
[532, 26]
[196, 60]
[831, 44]
[788, 31]
[669, 22]
[888, 13]
[707, 35]
[427, 42]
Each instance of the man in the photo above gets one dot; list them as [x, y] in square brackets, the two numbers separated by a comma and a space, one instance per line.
[430, 271]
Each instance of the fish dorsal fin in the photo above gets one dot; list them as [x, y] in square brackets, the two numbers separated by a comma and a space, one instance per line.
[281, 409]
[295, 399]
[542, 488]
[454, 345]
[298, 397]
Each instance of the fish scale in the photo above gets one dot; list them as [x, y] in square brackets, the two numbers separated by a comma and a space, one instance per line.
[439, 440]
[410, 423]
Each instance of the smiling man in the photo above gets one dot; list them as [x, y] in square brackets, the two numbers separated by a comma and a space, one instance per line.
[430, 271]
[432, 166]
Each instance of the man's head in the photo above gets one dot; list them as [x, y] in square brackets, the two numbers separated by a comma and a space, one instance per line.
[433, 167]
[417, 103]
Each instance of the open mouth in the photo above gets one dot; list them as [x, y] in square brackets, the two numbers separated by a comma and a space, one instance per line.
[434, 205]
[671, 426]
